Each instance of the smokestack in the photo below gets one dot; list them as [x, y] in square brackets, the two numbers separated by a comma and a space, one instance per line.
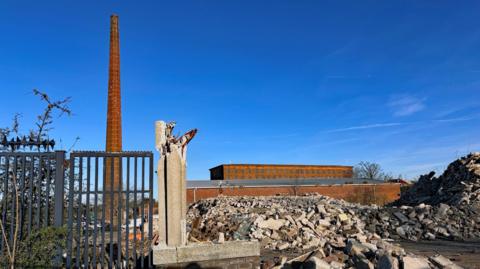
[112, 180]
[114, 114]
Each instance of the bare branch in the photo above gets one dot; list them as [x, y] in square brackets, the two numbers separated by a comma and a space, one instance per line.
[16, 123]
[45, 119]
[5, 239]
[74, 143]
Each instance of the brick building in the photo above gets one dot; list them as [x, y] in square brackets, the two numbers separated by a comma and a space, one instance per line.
[354, 190]
[279, 171]
[336, 181]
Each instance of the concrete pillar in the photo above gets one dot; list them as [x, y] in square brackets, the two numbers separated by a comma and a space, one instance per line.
[162, 224]
[175, 216]
[160, 141]
[184, 184]
[172, 186]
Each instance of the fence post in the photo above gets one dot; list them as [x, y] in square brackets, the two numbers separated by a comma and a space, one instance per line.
[59, 187]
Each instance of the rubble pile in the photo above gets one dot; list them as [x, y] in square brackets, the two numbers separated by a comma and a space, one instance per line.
[333, 233]
[446, 207]
[423, 222]
[459, 185]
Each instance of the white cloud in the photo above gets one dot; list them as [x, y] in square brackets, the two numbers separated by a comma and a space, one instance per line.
[406, 123]
[405, 105]
[455, 119]
[367, 126]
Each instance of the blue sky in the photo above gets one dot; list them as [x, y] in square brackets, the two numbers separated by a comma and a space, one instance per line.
[302, 82]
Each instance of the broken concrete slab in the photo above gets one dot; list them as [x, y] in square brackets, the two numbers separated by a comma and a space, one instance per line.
[400, 216]
[413, 262]
[271, 224]
[443, 263]
[167, 255]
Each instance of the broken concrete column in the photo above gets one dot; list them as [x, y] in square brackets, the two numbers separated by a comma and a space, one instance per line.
[175, 216]
[184, 188]
[160, 139]
[171, 183]
[172, 207]
[162, 223]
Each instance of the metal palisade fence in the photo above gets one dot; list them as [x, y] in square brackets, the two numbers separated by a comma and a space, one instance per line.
[104, 199]
[36, 179]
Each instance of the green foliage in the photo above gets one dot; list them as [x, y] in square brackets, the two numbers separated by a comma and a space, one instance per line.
[41, 247]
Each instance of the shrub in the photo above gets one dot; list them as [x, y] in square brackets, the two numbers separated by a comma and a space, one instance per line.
[41, 248]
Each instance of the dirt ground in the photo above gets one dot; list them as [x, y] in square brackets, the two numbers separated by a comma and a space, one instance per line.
[465, 254]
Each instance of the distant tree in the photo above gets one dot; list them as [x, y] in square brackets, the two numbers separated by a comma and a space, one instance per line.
[388, 176]
[368, 170]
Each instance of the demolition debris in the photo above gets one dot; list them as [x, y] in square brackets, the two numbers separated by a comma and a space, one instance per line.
[331, 233]
[458, 185]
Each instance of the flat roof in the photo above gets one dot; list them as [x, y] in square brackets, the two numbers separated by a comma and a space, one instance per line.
[192, 184]
[284, 165]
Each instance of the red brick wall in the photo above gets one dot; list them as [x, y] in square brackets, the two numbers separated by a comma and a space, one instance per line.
[380, 193]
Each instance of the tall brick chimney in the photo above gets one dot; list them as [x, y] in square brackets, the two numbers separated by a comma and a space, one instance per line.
[114, 114]
[114, 130]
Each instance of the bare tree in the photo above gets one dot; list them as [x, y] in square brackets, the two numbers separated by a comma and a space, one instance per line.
[368, 170]
[44, 120]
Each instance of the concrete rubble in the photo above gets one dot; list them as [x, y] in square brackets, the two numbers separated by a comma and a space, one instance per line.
[446, 207]
[330, 233]
[340, 234]
[459, 185]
